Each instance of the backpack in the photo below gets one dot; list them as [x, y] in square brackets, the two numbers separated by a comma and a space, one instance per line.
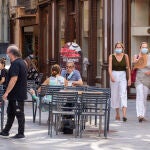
[67, 126]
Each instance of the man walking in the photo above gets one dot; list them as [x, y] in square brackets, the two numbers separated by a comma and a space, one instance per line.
[16, 92]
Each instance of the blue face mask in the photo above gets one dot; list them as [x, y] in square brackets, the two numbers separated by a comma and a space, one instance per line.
[118, 50]
[144, 50]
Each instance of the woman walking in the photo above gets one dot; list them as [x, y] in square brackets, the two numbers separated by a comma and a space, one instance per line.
[142, 83]
[118, 66]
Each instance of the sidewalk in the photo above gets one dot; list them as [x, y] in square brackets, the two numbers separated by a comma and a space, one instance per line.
[130, 135]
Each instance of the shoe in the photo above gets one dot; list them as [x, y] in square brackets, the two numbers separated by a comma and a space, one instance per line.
[140, 119]
[4, 134]
[18, 136]
[124, 119]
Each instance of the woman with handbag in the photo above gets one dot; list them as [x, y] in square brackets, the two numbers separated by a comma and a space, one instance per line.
[118, 67]
[142, 83]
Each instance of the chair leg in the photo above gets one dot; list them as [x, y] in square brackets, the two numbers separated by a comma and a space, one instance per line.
[90, 118]
[51, 125]
[100, 125]
[35, 112]
[34, 109]
[81, 125]
[40, 112]
[105, 125]
[57, 124]
[76, 126]
[108, 119]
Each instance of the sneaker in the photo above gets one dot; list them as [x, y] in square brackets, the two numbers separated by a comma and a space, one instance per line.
[4, 134]
[18, 136]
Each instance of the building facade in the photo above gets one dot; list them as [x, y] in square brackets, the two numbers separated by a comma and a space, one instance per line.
[4, 25]
[23, 25]
[96, 25]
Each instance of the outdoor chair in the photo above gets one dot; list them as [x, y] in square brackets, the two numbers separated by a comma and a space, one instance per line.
[108, 92]
[32, 85]
[94, 104]
[61, 100]
[47, 90]
[1, 106]
[76, 88]
[40, 77]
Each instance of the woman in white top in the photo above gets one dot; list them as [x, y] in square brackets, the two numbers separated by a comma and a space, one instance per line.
[54, 79]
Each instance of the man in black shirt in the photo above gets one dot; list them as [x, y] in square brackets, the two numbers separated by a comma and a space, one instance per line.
[16, 92]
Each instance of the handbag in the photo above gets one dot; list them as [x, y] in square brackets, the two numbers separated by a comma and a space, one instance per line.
[133, 76]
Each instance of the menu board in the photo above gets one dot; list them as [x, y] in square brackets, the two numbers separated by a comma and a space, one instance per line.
[71, 52]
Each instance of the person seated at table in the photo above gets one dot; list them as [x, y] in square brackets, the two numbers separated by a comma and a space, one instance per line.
[3, 73]
[72, 76]
[54, 79]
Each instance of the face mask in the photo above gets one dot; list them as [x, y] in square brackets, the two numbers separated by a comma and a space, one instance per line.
[144, 50]
[118, 50]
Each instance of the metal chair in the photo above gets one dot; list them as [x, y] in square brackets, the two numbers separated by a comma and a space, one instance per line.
[2, 106]
[32, 85]
[94, 104]
[76, 88]
[108, 92]
[40, 77]
[61, 100]
[47, 90]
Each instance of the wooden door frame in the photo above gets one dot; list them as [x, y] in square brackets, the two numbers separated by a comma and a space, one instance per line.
[41, 52]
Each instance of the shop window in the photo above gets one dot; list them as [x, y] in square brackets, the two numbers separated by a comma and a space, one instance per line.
[140, 13]
[140, 24]
[28, 44]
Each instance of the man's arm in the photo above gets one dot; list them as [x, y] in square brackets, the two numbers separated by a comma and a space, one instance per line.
[11, 85]
[77, 83]
[2, 80]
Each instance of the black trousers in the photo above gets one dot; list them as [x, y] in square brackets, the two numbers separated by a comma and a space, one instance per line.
[15, 109]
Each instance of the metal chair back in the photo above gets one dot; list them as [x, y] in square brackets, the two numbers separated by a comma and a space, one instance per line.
[94, 104]
[65, 105]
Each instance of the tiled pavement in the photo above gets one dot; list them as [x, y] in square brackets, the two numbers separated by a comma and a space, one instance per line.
[131, 135]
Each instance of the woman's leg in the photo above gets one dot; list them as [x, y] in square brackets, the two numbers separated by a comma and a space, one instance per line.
[140, 107]
[117, 114]
[123, 95]
[124, 110]
[115, 96]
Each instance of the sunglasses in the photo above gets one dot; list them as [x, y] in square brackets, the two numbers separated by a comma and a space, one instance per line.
[67, 67]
